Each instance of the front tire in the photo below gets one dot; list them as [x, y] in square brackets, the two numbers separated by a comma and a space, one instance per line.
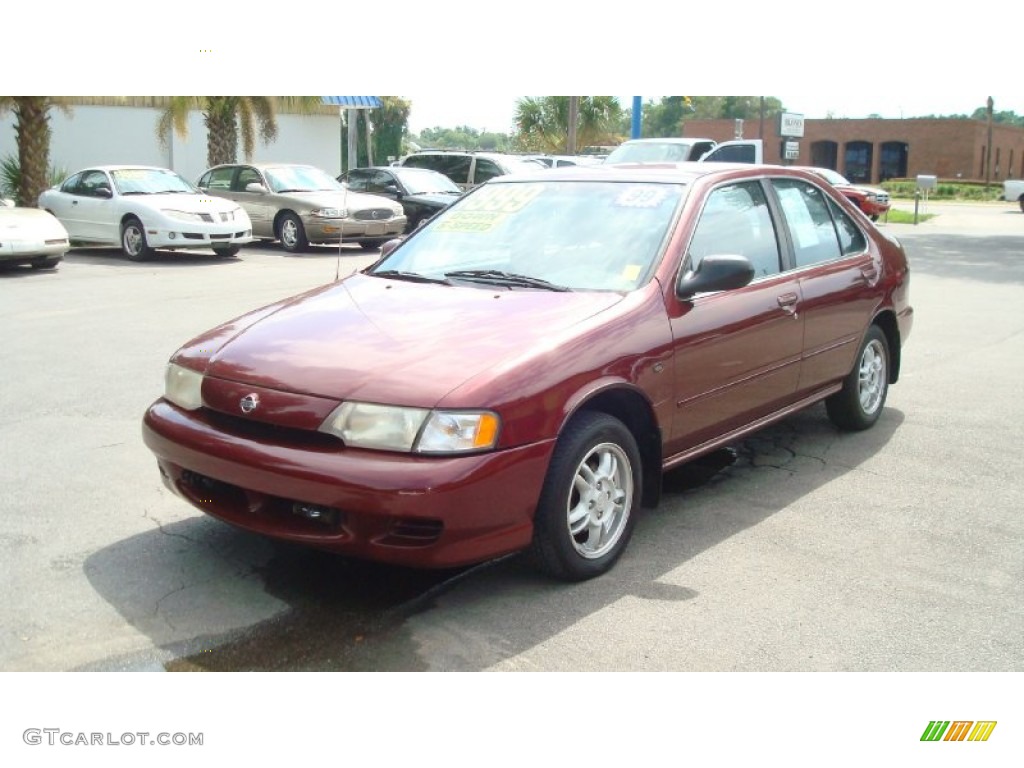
[292, 234]
[227, 251]
[859, 403]
[49, 262]
[586, 512]
[133, 240]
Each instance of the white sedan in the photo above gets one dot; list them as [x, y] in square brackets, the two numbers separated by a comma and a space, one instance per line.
[143, 208]
[30, 236]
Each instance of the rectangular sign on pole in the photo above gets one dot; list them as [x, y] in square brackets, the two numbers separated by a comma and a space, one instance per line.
[791, 125]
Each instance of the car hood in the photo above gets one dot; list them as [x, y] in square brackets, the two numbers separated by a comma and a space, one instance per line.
[433, 199]
[353, 201]
[29, 222]
[192, 203]
[870, 190]
[387, 341]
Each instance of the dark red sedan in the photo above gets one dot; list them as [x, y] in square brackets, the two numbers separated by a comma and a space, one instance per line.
[517, 374]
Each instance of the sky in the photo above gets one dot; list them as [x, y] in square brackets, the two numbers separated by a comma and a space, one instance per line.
[466, 63]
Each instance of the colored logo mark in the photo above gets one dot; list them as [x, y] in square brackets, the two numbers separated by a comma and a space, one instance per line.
[958, 730]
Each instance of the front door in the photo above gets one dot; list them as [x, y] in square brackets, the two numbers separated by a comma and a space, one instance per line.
[736, 353]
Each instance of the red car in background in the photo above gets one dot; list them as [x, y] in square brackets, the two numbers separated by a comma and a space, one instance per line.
[873, 201]
[518, 372]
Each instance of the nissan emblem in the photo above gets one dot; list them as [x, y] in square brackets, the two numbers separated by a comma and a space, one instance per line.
[249, 403]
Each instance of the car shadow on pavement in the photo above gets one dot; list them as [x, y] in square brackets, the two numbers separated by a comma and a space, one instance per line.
[110, 257]
[211, 597]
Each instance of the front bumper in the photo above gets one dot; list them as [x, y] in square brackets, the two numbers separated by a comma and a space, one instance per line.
[433, 512]
[193, 236]
[319, 230]
[26, 251]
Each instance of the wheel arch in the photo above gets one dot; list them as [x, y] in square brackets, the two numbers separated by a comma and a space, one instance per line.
[886, 320]
[279, 216]
[635, 411]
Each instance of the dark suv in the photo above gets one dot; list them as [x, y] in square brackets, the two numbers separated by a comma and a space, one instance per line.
[468, 169]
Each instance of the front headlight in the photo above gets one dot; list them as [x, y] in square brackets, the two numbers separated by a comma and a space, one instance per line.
[183, 387]
[412, 430]
[329, 213]
[181, 215]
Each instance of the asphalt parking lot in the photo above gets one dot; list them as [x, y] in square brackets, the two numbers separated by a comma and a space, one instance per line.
[897, 549]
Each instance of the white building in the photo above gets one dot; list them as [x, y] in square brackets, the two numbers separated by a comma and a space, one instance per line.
[106, 132]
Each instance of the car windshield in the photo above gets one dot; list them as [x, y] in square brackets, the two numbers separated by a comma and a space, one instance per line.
[523, 165]
[149, 181]
[836, 179]
[577, 235]
[300, 178]
[426, 182]
[650, 152]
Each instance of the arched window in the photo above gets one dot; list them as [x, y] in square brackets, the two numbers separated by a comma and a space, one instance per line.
[894, 161]
[825, 154]
[857, 161]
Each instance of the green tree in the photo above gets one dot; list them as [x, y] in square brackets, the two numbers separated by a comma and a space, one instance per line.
[32, 135]
[228, 117]
[542, 124]
[390, 123]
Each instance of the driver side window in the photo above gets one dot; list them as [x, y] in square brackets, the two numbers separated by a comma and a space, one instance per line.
[736, 221]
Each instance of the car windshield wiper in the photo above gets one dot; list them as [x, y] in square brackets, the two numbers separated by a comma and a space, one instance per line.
[510, 279]
[412, 277]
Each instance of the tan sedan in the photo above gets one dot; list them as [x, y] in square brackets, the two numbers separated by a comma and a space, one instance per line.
[301, 204]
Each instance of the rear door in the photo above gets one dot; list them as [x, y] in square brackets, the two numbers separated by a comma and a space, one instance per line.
[838, 276]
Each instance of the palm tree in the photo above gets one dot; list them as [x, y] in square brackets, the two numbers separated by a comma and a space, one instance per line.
[226, 117]
[32, 132]
[543, 123]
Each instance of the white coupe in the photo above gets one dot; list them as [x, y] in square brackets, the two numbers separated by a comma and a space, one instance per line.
[144, 208]
[30, 236]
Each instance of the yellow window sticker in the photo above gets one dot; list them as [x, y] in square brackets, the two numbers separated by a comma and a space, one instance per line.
[501, 198]
[631, 272]
[471, 221]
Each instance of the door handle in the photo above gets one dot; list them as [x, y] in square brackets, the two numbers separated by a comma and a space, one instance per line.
[787, 302]
[870, 273]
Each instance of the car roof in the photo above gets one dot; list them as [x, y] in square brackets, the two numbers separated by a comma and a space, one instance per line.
[666, 173]
[668, 140]
[124, 167]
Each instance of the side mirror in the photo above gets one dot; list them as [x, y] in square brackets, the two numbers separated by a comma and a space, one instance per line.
[104, 192]
[391, 189]
[715, 273]
[389, 246]
[254, 186]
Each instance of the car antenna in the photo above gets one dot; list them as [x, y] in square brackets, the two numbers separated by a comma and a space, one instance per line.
[341, 229]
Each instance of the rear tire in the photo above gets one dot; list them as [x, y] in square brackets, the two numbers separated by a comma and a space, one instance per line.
[369, 245]
[859, 403]
[133, 240]
[588, 502]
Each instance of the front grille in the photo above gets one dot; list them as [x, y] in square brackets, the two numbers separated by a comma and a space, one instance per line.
[374, 214]
[272, 433]
[883, 197]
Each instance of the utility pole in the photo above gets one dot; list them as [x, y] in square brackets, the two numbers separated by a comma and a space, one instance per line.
[988, 159]
[574, 114]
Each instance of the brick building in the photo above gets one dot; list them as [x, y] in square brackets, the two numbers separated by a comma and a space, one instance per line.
[873, 150]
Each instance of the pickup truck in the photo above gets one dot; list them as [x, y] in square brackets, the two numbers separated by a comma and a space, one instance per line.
[1013, 192]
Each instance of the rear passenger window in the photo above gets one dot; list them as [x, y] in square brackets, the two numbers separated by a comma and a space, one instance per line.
[815, 240]
[485, 169]
[735, 221]
[851, 239]
[456, 168]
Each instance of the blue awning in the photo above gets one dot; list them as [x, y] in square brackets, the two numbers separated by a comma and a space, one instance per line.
[352, 102]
